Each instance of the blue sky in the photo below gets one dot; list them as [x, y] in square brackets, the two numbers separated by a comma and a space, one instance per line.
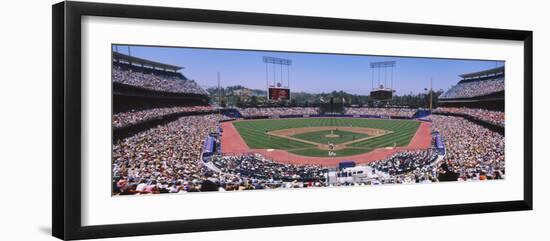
[310, 72]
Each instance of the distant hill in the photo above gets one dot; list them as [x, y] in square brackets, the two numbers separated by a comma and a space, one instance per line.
[228, 91]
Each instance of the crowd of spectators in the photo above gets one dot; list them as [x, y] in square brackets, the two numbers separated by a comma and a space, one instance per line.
[400, 112]
[220, 181]
[473, 152]
[404, 167]
[273, 111]
[175, 83]
[135, 116]
[258, 167]
[405, 161]
[474, 88]
[495, 117]
[166, 158]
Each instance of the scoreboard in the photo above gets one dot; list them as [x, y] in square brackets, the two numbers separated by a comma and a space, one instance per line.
[277, 93]
[381, 94]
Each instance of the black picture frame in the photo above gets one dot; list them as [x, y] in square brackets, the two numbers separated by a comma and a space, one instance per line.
[66, 127]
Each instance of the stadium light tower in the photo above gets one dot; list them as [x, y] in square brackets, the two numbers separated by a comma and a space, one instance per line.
[280, 63]
[382, 92]
[278, 90]
[431, 93]
[219, 91]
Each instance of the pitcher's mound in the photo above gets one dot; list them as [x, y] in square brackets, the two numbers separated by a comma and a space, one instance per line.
[332, 136]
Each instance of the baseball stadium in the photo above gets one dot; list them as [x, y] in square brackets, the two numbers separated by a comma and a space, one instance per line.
[194, 120]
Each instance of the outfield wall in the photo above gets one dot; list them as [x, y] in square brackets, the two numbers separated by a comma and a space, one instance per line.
[321, 115]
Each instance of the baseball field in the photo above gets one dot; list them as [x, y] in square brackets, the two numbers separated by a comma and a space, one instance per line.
[326, 137]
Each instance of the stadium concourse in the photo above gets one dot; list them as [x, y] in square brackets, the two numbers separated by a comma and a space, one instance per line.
[167, 138]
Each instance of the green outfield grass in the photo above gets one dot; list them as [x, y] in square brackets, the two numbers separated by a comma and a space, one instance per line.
[321, 136]
[254, 133]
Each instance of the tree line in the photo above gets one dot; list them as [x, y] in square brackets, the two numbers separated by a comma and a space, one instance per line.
[234, 96]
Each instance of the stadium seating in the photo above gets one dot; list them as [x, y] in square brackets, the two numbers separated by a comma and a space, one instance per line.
[122, 119]
[394, 112]
[469, 89]
[494, 117]
[154, 79]
[271, 111]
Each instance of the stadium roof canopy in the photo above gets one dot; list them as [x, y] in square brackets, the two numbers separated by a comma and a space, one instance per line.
[493, 71]
[118, 57]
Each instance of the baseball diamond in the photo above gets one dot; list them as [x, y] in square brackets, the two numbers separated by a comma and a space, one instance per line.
[327, 137]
